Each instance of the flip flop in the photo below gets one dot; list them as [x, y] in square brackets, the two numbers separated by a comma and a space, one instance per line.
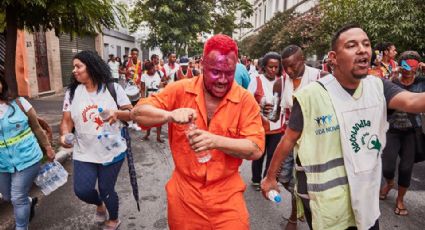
[115, 227]
[100, 217]
[382, 195]
[401, 211]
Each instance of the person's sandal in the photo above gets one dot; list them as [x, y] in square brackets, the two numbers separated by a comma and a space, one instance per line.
[401, 211]
[114, 227]
[100, 217]
[383, 195]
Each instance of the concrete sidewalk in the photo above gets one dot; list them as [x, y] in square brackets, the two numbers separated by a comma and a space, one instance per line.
[50, 109]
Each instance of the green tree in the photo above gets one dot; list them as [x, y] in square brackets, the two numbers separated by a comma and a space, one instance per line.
[400, 22]
[174, 24]
[77, 17]
[301, 31]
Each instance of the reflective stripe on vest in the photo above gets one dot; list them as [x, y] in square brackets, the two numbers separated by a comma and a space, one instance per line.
[328, 185]
[319, 168]
[325, 166]
[16, 139]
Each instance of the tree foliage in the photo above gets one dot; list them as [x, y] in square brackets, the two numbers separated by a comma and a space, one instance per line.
[77, 17]
[176, 24]
[400, 22]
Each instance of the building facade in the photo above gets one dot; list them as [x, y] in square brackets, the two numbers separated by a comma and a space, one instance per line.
[264, 10]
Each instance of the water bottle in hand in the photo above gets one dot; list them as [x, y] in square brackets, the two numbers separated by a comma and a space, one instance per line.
[69, 138]
[51, 177]
[274, 196]
[203, 156]
[111, 141]
[104, 113]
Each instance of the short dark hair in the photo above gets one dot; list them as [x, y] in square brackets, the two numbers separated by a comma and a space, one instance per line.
[289, 51]
[386, 46]
[149, 65]
[154, 56]
[134, 49]
[410, 54]
[170, 53]
[342, 30]
[271, 55]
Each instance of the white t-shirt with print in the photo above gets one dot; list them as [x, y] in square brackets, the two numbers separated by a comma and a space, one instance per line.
[122, 98]
[4, 107]
[151, 82]
[88, 124]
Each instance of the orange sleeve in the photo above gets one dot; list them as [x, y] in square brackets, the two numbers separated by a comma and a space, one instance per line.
[250, 124]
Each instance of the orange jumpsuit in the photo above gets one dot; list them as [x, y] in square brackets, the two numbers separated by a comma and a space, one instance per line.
[209, 195]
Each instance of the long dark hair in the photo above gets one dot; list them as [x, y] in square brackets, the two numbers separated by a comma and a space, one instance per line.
[97, 69]
[4, 95]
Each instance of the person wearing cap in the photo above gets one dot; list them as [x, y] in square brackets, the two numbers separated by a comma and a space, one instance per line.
[184, 70]
[401, 141]
[228, 125]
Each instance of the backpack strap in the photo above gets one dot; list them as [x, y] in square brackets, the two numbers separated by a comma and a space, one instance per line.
[18, 102]
[111, 88]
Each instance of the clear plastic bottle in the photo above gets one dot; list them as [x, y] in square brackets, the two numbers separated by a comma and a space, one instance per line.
[203, 156]
[51, 177]
[274, 196]
[112, 142]
[104, 113]
[69, 138]
[110, 137]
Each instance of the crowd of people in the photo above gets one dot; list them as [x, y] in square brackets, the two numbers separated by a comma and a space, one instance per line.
[327, 135]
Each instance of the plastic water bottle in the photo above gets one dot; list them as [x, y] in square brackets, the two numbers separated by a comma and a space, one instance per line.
[69, 138]
[203, 156]
[275, 101]
[51, 177]
[274, 196]
[104, 113]
[111, 139]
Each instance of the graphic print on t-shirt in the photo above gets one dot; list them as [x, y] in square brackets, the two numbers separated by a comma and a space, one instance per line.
[90, 114]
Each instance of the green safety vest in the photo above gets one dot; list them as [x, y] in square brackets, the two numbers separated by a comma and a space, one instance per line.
[320, 153]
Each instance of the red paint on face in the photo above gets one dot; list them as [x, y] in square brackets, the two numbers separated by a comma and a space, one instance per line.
[219, 72]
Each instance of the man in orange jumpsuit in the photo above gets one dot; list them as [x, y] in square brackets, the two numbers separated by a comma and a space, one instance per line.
[207, 195]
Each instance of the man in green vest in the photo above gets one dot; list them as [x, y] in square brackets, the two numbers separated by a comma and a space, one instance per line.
[337, 130]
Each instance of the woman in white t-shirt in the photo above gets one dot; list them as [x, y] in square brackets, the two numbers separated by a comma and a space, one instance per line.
[151, 83]
[93, 163]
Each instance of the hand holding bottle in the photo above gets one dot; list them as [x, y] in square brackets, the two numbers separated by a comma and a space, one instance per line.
[201, 142]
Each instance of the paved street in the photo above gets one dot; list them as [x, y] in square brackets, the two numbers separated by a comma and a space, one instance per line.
[62, 210]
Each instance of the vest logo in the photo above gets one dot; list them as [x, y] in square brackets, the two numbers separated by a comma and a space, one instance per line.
[369, 141]
[324, 123]
[323, 120]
